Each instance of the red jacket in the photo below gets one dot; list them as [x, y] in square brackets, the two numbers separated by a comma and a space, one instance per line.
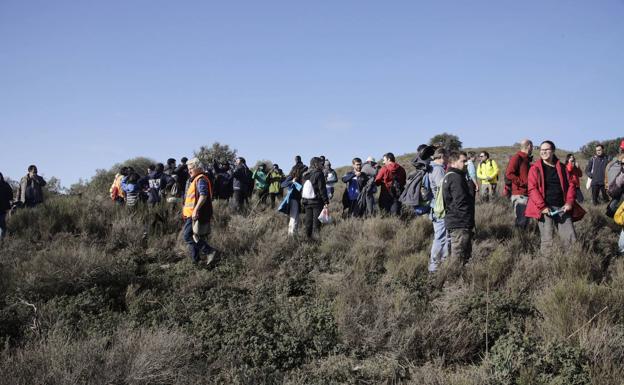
[575, 174]
[387, 173]
[518, 173]
[537, 192]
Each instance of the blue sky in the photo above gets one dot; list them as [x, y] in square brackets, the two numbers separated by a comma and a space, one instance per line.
[86, 84]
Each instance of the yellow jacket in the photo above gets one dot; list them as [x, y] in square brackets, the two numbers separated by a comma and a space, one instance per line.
[488, 172]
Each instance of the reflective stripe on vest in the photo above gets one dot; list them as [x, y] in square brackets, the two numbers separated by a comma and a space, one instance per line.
[192, 195]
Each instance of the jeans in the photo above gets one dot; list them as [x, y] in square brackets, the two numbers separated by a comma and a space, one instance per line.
[293, 221]
[311, 221]
[621, 242]
[195, 248]
[330, 191]
[370, 205]
[519, 203]
[461, 244]
[441, 242]
[562, 224]
[3, 226]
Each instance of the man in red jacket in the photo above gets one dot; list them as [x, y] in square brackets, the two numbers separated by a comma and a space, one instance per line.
[518, 173]
[552, 199]
[392, 179]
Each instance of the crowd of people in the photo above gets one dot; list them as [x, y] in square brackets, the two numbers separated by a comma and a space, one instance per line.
[444, 186]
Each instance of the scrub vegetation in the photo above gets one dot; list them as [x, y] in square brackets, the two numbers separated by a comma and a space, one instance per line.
[84, 299]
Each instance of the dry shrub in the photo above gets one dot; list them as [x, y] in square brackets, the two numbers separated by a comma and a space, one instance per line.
[132, 357]
[566, 306]
[604, 345]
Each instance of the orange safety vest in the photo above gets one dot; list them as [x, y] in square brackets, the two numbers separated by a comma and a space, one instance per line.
[192, 196]
[116, 190]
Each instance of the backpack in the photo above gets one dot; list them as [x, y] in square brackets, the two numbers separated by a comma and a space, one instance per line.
[439, 209]
[614, 169]
[619, 215]
[395, 188]
[331, 177]
[308, 190]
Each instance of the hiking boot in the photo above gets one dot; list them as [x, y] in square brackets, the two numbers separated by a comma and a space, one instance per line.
[212, 258]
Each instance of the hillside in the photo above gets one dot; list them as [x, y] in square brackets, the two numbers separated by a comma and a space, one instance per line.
[85, 299]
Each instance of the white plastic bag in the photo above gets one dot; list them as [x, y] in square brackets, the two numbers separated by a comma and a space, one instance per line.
[324, 218]
[308, 190]
[588, 184]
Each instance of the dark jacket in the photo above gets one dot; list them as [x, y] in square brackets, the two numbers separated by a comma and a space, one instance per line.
[241, 178]
[361, 181]
[6, 196]
[317, 179]
[31, 190]
[459, 201]
[182, 176]
[596, 170]
[156, 183]
[518, 173]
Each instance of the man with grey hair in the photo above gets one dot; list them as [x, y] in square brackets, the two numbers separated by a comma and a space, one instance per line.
[197, 213]
[518, 173]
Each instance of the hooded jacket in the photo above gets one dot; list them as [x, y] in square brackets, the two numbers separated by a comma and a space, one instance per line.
[317, 179]
[386, 176]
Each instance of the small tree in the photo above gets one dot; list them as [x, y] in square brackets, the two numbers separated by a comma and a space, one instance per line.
[611, 147]
[267, 163]
[448, 141]
[216, 153]
[53, 186]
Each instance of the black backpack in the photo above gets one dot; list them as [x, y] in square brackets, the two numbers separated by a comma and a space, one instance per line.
[395, 188]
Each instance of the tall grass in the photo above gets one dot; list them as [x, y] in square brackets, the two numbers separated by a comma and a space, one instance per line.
[85, 297]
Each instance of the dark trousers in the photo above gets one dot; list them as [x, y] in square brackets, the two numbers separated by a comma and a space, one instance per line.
[370, 205]
[273, 197]
[262, 195]
[238, 200]
[3, 226]
[311, 221]
[597, 189]
[195, 248]
[389, 205]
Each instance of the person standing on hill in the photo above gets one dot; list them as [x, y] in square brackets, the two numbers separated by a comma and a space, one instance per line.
[575, 174]
[6, 198]
[552, 199]
[518, 173]
[131, 187]
[391, 179]
[330, 178]
[294, 184]
[314, 199]
[274, 180]
[261, 182]
[596, 170]
[472, 170]
[441, 242]
[488, 173]
[197, 213]
[356, 181]
[242, 183]
[182, 175]
[370, 168]
[615, 175]
[116, 192]
[459, 203]
[30, 190]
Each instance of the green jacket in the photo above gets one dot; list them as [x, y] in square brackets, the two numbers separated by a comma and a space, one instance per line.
[261, 180]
